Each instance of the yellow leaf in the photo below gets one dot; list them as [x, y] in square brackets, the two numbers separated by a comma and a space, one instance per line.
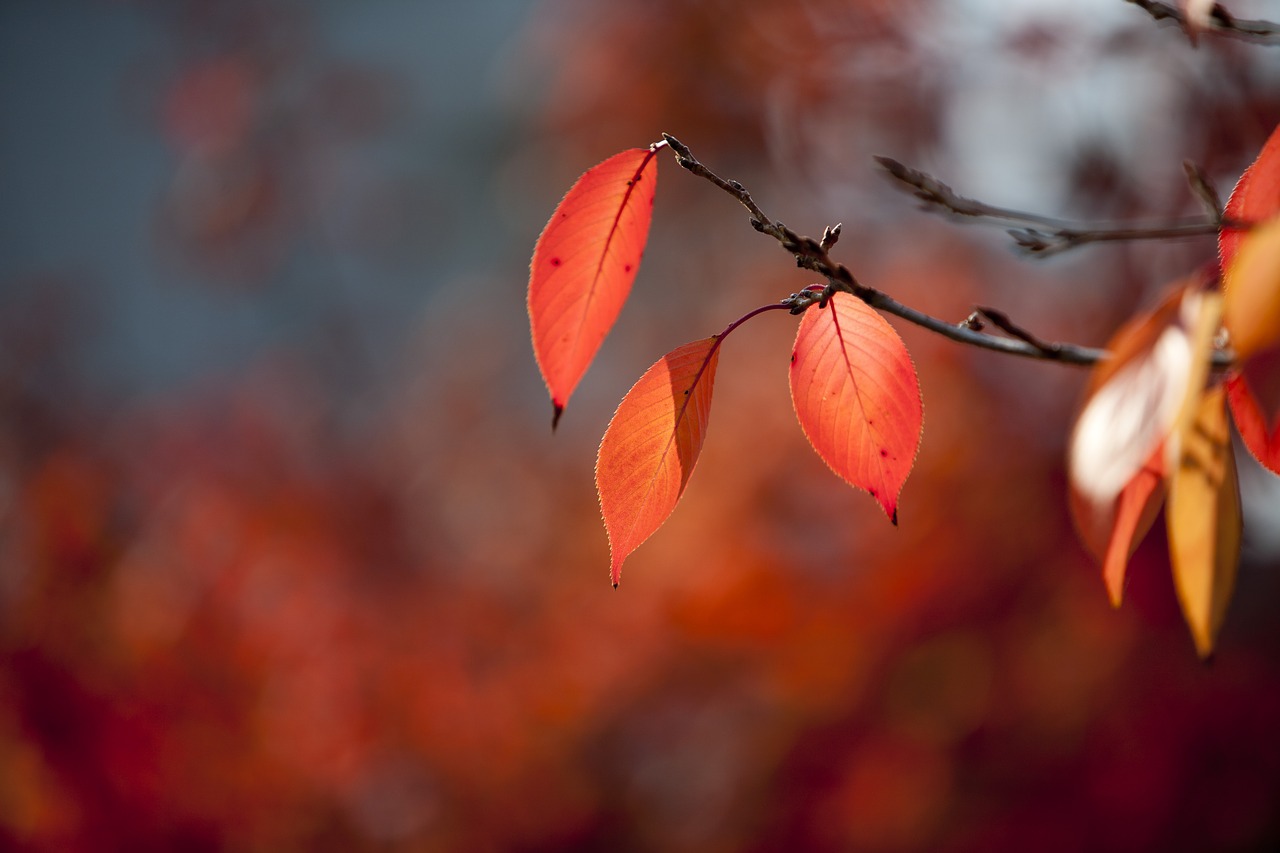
[1251, 311]
[1203, 517]
[1202, 317]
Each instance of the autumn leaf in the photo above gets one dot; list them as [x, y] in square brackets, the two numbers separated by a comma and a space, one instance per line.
[1131, 404]
[1204, 521]
[652, 444]
[1251, 308]
[584, 264]
[1262, 440]
[857, 397]
[1130, 423]
[1256, 198]
[1112, 537]
[1251, 313]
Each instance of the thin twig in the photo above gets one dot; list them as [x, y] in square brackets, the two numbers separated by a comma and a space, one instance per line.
[1220, 21]
[812, 255]
[1036, 234]
[1204, 190]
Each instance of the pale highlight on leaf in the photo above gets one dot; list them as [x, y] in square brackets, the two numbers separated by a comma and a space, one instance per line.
[651, 446]
[584, 264]
[857, 397]
[1204, 521]
[1131, 405]
[1255, 198]
[1251, 311]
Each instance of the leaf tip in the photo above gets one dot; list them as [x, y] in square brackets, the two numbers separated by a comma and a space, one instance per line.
[893, 516]
[558, 410]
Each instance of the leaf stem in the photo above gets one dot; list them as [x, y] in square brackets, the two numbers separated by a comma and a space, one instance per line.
[813, 255]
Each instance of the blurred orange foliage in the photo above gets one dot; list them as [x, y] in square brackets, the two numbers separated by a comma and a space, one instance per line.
[276, 610]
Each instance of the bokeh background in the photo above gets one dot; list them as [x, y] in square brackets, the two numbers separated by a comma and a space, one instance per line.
[290, 558]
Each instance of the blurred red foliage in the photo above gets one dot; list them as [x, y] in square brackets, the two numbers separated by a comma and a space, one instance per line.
[236, 616]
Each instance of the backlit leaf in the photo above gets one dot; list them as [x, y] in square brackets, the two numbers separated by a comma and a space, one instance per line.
[1130, 423]
[1256, 197]
[1113, 536]
[584, 264]
[1203, 516]
[857, 397]
[1131, 404]
[1251, 310]
[1260, 433]
[652, 444]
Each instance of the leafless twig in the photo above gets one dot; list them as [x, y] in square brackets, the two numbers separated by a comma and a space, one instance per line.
[1036, 234]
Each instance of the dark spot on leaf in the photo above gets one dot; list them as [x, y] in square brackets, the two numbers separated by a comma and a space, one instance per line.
[884, 454]
[555, 262]
[793, 358]
[626, 268]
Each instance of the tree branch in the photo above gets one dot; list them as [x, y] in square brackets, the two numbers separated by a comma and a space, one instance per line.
[1220, 21]
[813, 255]
[1037, 235]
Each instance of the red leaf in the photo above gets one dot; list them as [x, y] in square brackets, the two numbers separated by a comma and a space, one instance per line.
[1256, 197]
[652, 443]
[584, 264]
[1262, 440]
[1113, 536]
[857, 397]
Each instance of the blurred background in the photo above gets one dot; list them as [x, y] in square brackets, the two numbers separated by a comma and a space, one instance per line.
[290, 558]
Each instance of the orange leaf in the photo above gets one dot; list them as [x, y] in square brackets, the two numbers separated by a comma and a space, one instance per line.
[1112, 537]
[652, 443]
[1256, 197]
[1136, 408]
[1204, 522]
[584, 264]
[1132, 402]
[1252, 421]
[857, 397]
[1251, 309]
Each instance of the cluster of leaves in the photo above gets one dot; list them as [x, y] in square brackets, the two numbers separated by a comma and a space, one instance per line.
[1154, 422]
[853, 384]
